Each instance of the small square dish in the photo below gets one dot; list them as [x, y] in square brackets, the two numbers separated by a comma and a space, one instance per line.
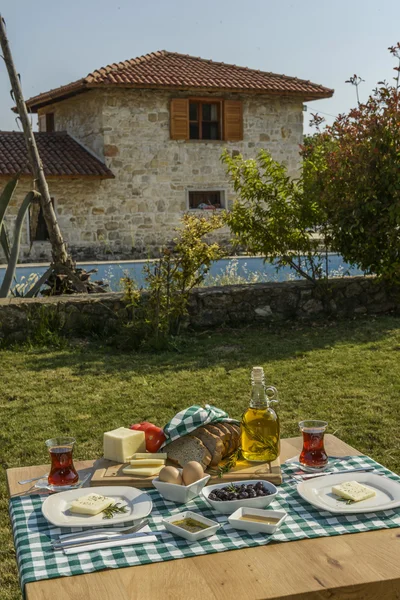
[176, 523]
[257, 520]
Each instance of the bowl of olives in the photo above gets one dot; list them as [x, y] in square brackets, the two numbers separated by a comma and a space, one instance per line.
[228, 497]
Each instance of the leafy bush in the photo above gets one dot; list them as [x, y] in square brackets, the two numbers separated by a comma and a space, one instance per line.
[158, 315]
[273, 217]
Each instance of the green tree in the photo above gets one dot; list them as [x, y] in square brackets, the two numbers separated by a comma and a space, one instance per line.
[273, 217]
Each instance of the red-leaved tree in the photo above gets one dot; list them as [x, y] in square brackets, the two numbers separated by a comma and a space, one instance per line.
[353, 168]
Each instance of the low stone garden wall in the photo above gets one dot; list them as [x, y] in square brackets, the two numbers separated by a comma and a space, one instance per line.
[210, 307]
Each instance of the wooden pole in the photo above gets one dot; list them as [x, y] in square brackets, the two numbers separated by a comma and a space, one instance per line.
[60, 254]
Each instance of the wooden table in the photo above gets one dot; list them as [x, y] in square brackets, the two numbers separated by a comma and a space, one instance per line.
[361, 566]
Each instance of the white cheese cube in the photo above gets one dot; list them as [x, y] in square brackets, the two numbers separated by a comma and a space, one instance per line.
[92, 504]
[142, 471]
[120, 444]
[354, 491]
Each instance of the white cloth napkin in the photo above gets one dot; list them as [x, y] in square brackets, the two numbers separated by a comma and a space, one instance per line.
[135, 538]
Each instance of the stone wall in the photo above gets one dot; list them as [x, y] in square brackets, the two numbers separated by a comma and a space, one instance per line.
[209, 307]
[132, 215]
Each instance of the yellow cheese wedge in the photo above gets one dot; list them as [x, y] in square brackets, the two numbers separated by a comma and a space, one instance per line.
[149, 455]
[144, 462]
[142, 472]
[91, 504]
[354, 491]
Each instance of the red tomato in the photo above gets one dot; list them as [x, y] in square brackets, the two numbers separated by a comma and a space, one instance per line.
[154, 435]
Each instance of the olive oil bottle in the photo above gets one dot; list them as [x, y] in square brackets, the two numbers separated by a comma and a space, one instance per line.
[260, 429]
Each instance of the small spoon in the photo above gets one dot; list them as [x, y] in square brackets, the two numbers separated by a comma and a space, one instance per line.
[25, 481]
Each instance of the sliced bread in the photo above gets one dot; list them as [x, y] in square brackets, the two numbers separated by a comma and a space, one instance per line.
[235, 435]
[187, 448]
[224, 434]
[213, 443]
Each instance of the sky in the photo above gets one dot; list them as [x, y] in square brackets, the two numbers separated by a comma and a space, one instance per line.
[55, 42]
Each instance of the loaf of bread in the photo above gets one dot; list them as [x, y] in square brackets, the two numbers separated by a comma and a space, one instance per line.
[208, 445]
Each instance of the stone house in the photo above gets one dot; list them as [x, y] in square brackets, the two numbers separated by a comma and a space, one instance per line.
[133, 146]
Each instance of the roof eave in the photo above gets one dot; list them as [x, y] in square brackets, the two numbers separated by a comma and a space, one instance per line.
[26, 174]
[303, 95]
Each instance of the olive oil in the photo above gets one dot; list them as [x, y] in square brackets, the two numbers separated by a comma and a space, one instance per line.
[260, 429]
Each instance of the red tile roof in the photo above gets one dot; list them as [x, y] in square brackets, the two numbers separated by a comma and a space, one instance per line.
[61, 156]
[180, 71]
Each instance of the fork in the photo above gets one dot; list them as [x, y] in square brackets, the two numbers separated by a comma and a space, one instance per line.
[94, 534]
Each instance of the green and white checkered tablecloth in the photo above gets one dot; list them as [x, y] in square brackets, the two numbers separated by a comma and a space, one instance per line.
[36, 559]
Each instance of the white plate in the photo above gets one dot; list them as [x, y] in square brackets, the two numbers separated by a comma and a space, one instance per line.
[56, 507]
[318, 492]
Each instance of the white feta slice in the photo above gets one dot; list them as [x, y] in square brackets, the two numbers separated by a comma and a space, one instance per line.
[120, 444]
[93, 504]
[354, 491]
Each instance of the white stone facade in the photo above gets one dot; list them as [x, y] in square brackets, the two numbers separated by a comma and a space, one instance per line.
[135, 213]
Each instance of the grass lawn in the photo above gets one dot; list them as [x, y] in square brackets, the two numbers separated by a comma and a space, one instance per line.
[347, 373]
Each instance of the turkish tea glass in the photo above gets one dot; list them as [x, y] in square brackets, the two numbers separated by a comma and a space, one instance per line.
[62, 470]
[313, 456]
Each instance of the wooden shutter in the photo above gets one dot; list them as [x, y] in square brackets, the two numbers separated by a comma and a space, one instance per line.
[42, 122]
[233, 120]
[179, 118]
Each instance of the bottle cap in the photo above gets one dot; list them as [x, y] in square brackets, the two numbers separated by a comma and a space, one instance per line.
[257, 373]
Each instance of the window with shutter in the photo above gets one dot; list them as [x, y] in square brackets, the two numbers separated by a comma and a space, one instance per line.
[206, 119]
[46, 122]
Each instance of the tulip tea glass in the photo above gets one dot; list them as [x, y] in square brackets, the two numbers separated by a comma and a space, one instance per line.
[62, 470]
[313, 456]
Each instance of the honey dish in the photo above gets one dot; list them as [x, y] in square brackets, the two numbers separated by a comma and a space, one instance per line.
[256, 520]
[190, 525]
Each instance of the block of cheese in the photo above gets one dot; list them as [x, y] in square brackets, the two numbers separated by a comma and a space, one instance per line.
[120, 444]
[142, 471]
[354, 491]
[146, 455]
[92, 504]
[144, 462]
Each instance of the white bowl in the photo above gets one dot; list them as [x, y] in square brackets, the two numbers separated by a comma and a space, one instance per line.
[255, 526]
[228, 506]
[180, 493]
[192, 537]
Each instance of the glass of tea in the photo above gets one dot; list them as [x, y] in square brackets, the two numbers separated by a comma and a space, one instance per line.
[313, 456]
[62, 470]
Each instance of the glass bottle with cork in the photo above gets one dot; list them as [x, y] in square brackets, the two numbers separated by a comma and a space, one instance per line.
[260, 429]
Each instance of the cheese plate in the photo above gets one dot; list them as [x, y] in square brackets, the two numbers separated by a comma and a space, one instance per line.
[57, 507]
[318, 492]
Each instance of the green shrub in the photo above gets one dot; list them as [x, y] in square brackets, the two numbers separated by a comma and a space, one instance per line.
[156, 316]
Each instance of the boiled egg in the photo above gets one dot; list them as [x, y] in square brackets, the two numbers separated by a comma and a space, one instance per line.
[192, 471]
[170, 475]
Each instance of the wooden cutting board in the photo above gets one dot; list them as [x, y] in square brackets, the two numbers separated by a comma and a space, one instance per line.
[110, 473]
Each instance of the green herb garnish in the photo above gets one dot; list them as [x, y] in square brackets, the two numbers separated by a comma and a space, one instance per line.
[230, 462]
[112, 510]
